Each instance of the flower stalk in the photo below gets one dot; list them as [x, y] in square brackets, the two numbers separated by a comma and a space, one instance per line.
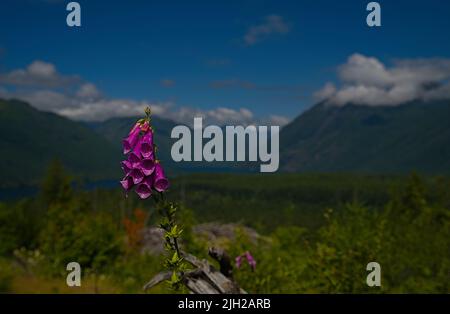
[172, 233]
[144, 173]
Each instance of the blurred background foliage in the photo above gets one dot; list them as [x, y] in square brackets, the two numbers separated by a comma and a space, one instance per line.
[309, 233]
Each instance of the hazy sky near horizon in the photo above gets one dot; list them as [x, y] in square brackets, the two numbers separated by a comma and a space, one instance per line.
[238, 61]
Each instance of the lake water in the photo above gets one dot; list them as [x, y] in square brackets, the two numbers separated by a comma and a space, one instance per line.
[14, 193]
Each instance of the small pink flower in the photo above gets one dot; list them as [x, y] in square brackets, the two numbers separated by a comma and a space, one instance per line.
[238, 261]
[250, 260]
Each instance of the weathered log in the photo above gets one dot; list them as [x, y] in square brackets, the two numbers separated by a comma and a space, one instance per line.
[204, 278]
[158, 278]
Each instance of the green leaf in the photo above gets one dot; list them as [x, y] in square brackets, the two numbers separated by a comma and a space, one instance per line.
[175, 257]
[174, 278]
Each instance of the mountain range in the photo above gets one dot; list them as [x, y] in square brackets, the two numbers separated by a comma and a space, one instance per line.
[31, 139]
[325, 138]
[370, 139]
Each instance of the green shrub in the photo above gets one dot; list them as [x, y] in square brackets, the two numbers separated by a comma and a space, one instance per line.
[92, 240]
[6, 276]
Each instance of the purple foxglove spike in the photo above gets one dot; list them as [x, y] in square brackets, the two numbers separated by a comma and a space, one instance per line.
[147, 166]
[127, 183]
[134, 160]
[161, 183]
[143, 190]
[238, 261]
[130, 141]
[146, 147]
[126, 166]
[137, 176]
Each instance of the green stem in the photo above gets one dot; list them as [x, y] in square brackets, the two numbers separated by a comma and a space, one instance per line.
[168, 211]
[171, 222]
[175, 243]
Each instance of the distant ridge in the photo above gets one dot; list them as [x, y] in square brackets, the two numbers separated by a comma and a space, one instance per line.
[30, 139]
[375, 139]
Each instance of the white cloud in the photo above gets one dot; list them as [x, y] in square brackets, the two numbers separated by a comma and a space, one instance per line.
[37, 74]
[103, 109]
[223, 116]
[39, 85]
[272, 24]
[325, 92]
[88, 91]
[367, 81]
[218, 116]
[276, 120]
[365, 71]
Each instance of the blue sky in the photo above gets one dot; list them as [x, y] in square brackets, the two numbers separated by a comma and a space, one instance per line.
[196, 54]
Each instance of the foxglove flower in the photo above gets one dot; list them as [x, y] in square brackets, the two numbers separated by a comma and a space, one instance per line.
[127, 183]
[250, 260]
[143, 190]
[147, 166]
[134, 160]
[126, 167]
[238, 261]
[143, 171]
[137, 176]
[161, 183]
[137, 149]
[130, 141]
[146, 145]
